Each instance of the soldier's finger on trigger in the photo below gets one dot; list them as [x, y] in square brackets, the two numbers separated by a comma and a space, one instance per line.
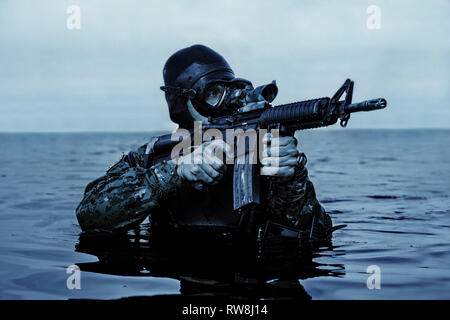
[209, 170]
[217, 163]
[212, 163]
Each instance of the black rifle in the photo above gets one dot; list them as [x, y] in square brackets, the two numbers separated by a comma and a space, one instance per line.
[256, 113]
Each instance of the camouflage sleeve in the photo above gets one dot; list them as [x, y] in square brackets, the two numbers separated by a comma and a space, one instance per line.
[125, 195]
[292, 202]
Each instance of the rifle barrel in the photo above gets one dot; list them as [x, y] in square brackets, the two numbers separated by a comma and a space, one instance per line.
[368, 105]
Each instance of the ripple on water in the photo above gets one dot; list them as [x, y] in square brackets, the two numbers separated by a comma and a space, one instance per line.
[396, 197]
[438, 211]
[335, 211]
[334, 200]
[398, 232]
[33, 204]
[332, 172]
[398, 218]
[382, 197]
[385, 159]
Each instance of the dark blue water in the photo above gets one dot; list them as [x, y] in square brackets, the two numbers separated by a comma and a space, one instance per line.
[391, 187]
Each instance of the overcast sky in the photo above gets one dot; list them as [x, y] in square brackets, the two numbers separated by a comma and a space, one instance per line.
[106, 75]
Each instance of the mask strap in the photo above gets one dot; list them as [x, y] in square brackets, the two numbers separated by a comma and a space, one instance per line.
[190, 93]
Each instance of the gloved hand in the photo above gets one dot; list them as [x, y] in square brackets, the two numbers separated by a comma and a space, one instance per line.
[203, 164]
[280, 156]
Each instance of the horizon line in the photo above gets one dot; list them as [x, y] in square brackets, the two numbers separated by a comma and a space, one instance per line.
[165, 130]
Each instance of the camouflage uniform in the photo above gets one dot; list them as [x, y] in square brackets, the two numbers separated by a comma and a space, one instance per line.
[127, 194]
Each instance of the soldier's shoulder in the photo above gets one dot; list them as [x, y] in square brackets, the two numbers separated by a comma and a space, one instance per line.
[133, 158]
[139, 153]
[141, 150]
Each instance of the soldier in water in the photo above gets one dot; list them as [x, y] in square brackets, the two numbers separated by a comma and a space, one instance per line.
[166, 192]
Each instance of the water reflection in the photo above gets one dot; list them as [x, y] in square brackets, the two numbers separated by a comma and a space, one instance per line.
[207, 264]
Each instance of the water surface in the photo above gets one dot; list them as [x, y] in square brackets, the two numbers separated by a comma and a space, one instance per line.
[391, 187]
